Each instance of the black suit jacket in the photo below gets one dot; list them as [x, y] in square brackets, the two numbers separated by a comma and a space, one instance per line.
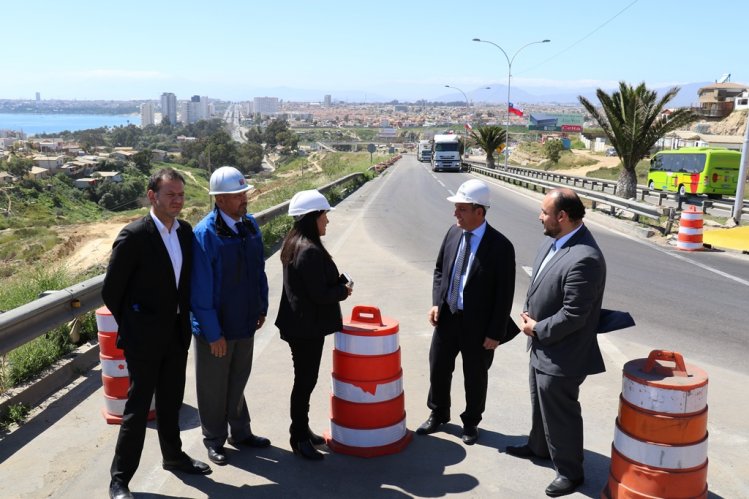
[140, 290]
[489, 286]
[565, 299]
[311, 296]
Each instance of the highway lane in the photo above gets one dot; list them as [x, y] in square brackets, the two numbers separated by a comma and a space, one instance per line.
[386, 235]
[692, 302]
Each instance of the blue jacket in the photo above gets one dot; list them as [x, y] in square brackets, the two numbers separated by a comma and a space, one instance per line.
[229, 286]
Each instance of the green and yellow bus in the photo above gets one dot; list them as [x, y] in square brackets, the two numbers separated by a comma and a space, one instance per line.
[695, 170]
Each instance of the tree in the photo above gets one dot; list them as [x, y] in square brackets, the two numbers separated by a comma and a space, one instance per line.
[553, 149]
[142, 160]
[488, 138]
[633, 120]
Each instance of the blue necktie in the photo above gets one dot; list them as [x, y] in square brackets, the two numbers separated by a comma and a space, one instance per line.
[461, 262]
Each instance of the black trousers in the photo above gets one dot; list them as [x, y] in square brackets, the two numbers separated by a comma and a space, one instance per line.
[306, 355]
[449, 339]
[162, 374]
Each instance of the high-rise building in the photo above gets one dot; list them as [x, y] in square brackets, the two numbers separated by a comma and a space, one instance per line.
[265, 105]
[327, 100]
[169, 107]
[146, 114]
[184, 112]
[38, 96]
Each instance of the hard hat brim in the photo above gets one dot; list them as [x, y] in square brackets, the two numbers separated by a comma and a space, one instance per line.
[246, 187]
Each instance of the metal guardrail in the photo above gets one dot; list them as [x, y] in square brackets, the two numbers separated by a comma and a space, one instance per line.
[610, 200]
[610, 186]
[27, 322]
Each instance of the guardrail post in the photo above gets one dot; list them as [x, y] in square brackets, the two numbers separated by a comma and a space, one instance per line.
[670, 221]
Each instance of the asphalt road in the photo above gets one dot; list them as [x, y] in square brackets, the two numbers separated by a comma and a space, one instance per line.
[386, 235]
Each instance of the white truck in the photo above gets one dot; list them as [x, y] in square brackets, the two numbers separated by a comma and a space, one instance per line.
[446, 153]
[424, 151]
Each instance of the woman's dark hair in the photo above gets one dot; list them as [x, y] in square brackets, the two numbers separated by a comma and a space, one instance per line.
[304, 228]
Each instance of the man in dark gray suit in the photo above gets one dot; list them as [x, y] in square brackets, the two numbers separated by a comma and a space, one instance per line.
[561, 315]
[472, 290]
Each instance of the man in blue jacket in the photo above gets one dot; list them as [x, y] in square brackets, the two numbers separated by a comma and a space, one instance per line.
[229, 300]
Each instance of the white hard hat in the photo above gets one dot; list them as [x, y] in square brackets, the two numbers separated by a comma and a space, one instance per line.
[305, 202]
[472, 191]
[228, 180]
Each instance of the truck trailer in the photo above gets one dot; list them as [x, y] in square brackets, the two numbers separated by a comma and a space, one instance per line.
[424, 151]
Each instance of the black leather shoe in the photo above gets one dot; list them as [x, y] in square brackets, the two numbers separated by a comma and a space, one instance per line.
[470, 435]
[315, 438]
[187, 465]
[217, 455]
[523, 451]
[251, 441]
[118, 490]
[431, 425]
[562, 486]
[306, 450]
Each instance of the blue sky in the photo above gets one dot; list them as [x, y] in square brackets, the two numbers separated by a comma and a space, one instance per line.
[407, 50]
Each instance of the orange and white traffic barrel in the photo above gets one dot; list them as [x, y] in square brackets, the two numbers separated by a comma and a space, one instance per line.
[368, 416]
[660, 439]
[114, 374]
[690, 230]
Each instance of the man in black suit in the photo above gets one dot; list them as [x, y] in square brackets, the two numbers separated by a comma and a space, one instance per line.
[472, 290]
[560, 318]
[147, 289]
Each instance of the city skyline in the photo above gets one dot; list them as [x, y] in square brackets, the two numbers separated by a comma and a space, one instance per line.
[87, 50]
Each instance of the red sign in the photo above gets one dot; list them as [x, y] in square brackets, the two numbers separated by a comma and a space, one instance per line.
[571, 128]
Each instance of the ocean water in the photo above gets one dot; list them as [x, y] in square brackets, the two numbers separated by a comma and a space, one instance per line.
[32, 123]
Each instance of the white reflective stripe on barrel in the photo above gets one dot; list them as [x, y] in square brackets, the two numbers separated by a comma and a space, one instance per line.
[686, 215]
[368, 438]
[116, 407]
[689, 231]
[686, 245]
[366, 345]
[106, 323]
[352, 393]
[115, 368]
[664, 400]
[671, 457]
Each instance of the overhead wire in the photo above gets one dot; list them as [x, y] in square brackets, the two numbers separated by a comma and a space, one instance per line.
[581, 39]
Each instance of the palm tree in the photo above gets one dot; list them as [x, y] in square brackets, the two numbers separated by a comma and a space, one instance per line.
[488, 138]
[633, 121]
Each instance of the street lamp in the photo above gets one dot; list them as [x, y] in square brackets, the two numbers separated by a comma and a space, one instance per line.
[468, 111]
[509, 76]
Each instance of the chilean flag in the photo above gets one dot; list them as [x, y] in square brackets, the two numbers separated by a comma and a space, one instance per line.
[514, 110]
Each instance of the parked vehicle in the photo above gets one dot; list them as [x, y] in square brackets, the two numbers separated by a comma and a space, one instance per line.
[610, 151]
[424, 151]
[446, 153]
[695, 170]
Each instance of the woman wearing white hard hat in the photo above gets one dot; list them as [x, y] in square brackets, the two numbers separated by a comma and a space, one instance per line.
[309, 309]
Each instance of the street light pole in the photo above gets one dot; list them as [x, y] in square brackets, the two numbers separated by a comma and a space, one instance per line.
[510, 60]
[468, 110]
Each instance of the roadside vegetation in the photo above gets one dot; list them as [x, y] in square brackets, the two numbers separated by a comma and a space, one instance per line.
[32, 250]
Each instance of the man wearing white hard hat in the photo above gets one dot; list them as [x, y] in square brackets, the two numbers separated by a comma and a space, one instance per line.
[472, 290]
[229, 303]
[309, 309]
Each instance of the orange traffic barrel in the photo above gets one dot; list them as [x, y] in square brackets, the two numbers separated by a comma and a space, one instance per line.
[690, 230]
[368, 416]
[660, 437]
[114, 374]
